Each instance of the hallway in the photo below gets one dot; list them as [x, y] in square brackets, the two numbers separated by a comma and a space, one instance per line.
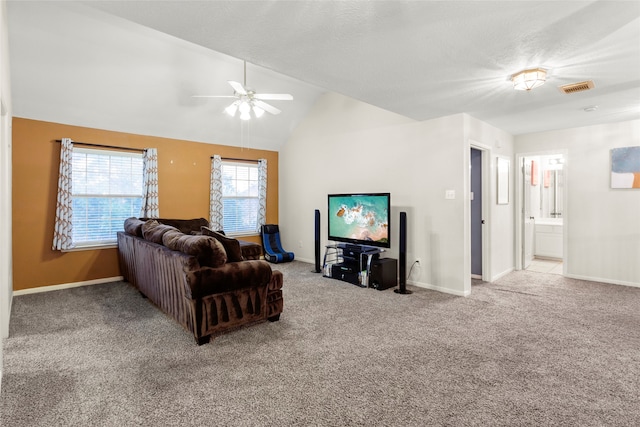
[546, 266]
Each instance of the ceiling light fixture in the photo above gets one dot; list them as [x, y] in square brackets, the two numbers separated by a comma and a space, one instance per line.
[247, 100]
[231, 109]
[245, 106]
[529, 79]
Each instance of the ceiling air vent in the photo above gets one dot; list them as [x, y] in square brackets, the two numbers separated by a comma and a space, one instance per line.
[577, 87]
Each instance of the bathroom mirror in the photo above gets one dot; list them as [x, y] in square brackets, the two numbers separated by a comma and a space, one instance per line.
[551, 190]
[503, 180]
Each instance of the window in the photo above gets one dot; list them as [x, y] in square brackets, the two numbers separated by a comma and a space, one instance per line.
[240, 197]
[106, 190]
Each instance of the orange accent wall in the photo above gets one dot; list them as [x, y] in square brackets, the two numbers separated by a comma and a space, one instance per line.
[184, 168]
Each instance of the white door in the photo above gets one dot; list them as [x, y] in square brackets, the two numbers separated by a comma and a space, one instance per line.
[528, 218]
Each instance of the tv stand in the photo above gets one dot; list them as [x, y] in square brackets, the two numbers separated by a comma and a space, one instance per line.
[355, 264]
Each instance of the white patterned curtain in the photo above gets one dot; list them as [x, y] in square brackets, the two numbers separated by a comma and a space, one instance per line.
[62, 235]
[149, 207]
[215, 194]
[262, 193]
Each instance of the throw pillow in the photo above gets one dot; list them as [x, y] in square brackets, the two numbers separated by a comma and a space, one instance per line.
[133, 226]
[169, 238]
[184, 225]
[207, 250]
[231, 246]
[153, 231]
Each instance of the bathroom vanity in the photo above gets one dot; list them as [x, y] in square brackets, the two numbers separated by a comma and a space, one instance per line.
[548, 238]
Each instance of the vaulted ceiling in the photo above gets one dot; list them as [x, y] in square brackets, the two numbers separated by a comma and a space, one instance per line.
[133, 66]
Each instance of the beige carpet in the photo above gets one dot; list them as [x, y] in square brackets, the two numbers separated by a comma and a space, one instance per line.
[530, 349]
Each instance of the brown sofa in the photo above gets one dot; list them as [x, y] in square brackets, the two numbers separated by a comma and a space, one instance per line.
[197, 276]
[249, 250]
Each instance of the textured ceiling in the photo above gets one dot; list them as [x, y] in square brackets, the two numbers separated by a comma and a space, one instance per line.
[420, 59]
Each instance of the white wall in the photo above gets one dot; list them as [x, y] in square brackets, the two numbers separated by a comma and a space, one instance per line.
[5, 183]
[348, 146]
[603, 223]
[500, 222]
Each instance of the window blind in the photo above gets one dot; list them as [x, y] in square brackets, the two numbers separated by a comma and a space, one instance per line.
[240, 197]
[107, 189]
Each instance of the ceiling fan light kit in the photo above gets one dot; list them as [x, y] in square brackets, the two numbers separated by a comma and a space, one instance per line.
[529, 79]
[244, 107]
[247, 100]
[231, 109]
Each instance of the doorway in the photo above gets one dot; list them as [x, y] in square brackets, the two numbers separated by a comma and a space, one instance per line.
[542, 218]
[475, 172]
[479, 204]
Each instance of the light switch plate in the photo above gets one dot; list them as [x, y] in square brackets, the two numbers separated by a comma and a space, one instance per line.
[450, 194]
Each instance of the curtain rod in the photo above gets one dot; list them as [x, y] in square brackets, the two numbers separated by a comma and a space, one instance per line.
[238, 160]
[141, 150]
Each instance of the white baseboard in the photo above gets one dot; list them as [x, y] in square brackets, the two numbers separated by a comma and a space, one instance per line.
[309, 261]
[438, 288]
[66, 286]
[500, 275]
[601, 280]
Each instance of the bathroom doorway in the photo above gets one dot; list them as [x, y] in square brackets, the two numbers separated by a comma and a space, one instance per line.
[542, 221]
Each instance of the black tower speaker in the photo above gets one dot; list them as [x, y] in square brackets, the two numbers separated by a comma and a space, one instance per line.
[317, 241]
[402, 267]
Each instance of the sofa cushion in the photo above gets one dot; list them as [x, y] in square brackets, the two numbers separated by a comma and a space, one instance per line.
[231, 276]
[133, 226]
[169, 238]
[250, 250]
[153, 231]
[231, 246]
[184, 225]
[207, 250]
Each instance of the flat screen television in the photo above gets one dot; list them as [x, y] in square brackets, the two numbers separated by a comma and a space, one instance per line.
[360, 219]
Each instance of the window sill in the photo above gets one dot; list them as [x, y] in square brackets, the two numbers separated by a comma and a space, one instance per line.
[236, 235]
[92, 247]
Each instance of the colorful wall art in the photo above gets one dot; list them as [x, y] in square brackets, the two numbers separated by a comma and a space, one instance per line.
[625, 167]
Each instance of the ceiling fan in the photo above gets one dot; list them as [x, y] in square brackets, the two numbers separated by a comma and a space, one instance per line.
[248, 100]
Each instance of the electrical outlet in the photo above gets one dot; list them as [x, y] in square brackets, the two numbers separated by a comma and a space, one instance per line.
[300, 244]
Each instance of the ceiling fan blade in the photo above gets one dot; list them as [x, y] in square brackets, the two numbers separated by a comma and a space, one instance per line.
[266, 107]
[274, 96]
[237, 87]
[213, 96]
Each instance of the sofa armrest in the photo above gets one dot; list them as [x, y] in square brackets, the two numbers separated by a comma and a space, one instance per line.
[275, 284]
[233, 275]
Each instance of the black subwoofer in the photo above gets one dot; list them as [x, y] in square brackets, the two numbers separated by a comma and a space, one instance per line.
[383, 274]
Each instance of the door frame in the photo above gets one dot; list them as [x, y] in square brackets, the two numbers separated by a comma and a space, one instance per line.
[520, 205]
[487, 202]
[525, 168]
[6, 274]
